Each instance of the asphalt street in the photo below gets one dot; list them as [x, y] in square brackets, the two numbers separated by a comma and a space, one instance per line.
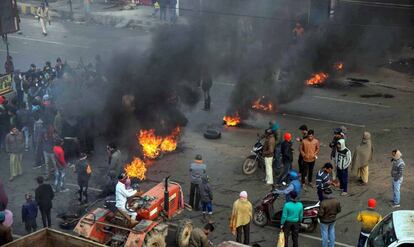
[390, 121]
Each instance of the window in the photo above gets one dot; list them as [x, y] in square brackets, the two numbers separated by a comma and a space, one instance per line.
[382, 235]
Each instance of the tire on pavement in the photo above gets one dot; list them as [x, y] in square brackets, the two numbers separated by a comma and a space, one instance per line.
[212, 134]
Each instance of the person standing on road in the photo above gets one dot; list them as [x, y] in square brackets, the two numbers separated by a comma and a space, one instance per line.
[114, 158]
[292, 216]
[323, 179]
[8, 65]
[206, 84]
[397, 176]
[343, 159]
[304, 131]
[287, 156]
[44, 196]
[60, 171]
[363, 154]
[328, 210]
[84, 171]
[49, 156]
[268, 152]
[240, 218]
[309, 150]
[333, 145]
[368, 218]
[206, 195]
[163, 9]
[43, 14]
[15, 146]
[197, 171]
[38, 129]
[173, 11]
[29, 214]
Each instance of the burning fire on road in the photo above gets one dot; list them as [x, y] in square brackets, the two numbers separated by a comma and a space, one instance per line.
[262, 104]
[153, 145]
[232, 120]
[136, 169]
[317, 79]
[338, 66]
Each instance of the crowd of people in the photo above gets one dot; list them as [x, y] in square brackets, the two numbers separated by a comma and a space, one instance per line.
[334, 175]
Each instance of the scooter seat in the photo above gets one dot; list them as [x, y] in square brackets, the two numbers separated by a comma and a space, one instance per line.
[310, 204]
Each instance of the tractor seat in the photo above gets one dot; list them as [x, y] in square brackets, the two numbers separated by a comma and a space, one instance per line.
[123, 219]
[310, 204]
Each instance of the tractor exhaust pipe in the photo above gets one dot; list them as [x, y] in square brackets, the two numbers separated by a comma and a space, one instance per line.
[166, 197]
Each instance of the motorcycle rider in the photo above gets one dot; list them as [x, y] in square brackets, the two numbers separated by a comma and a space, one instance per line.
[294, 185]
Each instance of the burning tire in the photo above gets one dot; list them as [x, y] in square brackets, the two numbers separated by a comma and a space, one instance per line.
[183, 233]
[212, 134]
[250, 165]
[154, 239]
[259, 218]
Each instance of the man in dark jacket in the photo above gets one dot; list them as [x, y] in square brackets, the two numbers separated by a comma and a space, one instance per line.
[268, 152]
[287, 156]
[206, 196]
[197, 171]
[83, 171]
[206, 84]
[8, 65]
[323, 179]
[163, 9]
[29, 214]
[44, 196]
[328, 210]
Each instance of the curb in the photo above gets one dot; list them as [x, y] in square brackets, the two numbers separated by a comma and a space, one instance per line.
[101, 19]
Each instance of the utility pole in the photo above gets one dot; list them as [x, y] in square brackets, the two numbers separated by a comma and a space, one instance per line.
[71, 9]
[7, 43]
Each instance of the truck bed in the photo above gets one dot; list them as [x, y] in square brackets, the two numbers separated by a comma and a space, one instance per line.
[52, 238]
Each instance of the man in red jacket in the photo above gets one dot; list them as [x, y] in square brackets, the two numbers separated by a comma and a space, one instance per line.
[60, 167]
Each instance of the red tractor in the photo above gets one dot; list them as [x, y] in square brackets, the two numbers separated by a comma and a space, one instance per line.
[154, 209]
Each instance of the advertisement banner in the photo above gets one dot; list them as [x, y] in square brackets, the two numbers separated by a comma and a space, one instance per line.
[5, 84]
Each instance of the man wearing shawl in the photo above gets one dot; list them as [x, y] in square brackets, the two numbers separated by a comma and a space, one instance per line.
[362, 156]
[240, 218]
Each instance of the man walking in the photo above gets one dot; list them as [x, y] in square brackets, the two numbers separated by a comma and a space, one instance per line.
[268, 152]
[368, 218]
[44, 196]
[328, 210]
[323, 179]
[397, 176]
[15, 146]
[29, 214]
[292, 216]
[363, 154]
[309, 151]
[240, 218]
[43, 14]
[197, 171]
[343, 159]
[60, 171]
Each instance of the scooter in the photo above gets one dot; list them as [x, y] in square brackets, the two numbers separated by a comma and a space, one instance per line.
[265, 214]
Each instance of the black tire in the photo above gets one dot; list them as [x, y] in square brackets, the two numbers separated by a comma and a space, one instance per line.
[184, 233]
[154, 239]
[259, 218]
[212, 134]
[250, 165]
[312, 227]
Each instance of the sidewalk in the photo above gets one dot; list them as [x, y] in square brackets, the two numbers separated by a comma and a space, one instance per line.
[109, 14]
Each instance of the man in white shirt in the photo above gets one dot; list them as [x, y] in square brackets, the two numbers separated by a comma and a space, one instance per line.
[122, 193]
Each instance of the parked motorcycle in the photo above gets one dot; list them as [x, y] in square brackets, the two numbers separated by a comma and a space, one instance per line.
[265, 214]
[256, 160]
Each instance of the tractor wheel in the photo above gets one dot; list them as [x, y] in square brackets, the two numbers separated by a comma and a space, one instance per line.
[154, 239]
[183, 233]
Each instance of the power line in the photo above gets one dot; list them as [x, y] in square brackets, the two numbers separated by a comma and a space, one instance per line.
[379, 4]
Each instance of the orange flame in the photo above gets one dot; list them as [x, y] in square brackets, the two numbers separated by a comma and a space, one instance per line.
[317, 79]
[260, 105]
[339, 66]
[232, 120]
[136, 169]
[152, 145]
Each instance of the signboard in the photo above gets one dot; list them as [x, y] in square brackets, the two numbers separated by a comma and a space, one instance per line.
[5, 84]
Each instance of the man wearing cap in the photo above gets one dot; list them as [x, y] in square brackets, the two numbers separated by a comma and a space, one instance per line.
[328, 210]
[197, 171]
[5, 231]
[292, 215]
[369, 218]
[240, 218]
[287, 156]
[397, 176]
[294, 185]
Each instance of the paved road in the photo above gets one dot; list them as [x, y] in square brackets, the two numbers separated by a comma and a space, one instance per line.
[389, 120]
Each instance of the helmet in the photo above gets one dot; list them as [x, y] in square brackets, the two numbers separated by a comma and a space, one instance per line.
[372, 203]
[287, 137]
[293, 175]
